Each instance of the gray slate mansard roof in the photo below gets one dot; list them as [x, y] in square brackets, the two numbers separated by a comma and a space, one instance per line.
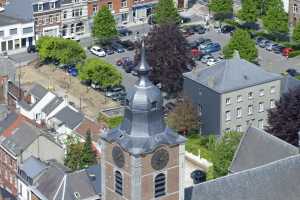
[232, 74]
[21, 139]
[7, 20]
[289, 83]
[143, 128]
[38, 91]
[278, 180]
[69, 117]
[33, 167]
[19, 9]
[52, 105]
[257, 148]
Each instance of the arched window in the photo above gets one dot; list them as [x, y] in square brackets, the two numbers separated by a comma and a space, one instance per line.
[160, 185]
[118, 183]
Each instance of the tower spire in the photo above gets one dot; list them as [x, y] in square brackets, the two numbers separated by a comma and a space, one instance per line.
[143, 68]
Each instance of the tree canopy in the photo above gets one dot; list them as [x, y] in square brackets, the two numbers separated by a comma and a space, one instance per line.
[221, 8]
[223, 152]
[168, 55]
[65, 51]
[104, 27]
[166, 12]
[101, 72]
[296, 33]
[88, 156]
[249, 12]
[184, 117]
[241, 42]
[284, 119]
[276, 20]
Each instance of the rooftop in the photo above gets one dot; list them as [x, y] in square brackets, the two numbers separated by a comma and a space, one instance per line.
[232, 74]
[7, 20]
[69, 117]
[257, 148]
[289, 83]
[38, 91]
[19, 9]
[33, 167]
[52, 105]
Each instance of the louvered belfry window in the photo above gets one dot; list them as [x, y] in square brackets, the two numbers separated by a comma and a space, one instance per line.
[160, 185]
[118, 183]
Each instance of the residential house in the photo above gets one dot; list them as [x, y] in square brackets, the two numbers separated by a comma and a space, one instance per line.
[74, 18]
[26, 141]
[47, 17]
[232, 95]
[16, 34]
[258, 148]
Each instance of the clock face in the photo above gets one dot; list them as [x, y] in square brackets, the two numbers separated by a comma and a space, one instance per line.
[160, 159]
[118, 156]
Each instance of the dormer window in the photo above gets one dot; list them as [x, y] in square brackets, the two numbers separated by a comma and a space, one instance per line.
[40, 7]
[153, 105]
[52, 5]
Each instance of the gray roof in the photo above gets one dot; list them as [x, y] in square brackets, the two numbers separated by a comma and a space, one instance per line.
[33, 167]
[69, 117]
[143, 128]
[257, 148]
[289, 83]
[24, 135]
[94, 173]
[9, 119]
[232, 74]
[8, 67]
[38, 91]
[52, 105]
[7, 20]
[19, 9]
[274, 181]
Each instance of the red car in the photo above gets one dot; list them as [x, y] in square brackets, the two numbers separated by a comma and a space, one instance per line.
[286, 51]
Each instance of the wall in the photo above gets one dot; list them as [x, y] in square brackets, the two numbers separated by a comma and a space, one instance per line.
[23, 191]
[210, 103]
[246, 119]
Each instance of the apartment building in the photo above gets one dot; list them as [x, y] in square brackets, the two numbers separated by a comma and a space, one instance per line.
[47, 17]
[294, 12]
[232, 95]
[74, 18]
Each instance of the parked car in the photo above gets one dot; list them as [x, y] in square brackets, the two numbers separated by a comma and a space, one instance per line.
[259, 39]
[286, 51]
[96, 50]
[205, 58]
[199, 29]
[95, 85]
[269, 46]
[292, 72]
[187, 32]
[205, 44]
[122, 61]
[263, 43]
[211, 48]
[227, 29]
[73, 71]
[108, 50]
[120, 96]
[117, 47]
[277, 49]
[128, 45]
[213, 61]
[31, 49]
[129, 66]
[124, 32]
[185, 20]
[112, 91]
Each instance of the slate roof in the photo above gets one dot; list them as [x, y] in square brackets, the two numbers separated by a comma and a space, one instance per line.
[33, 167]
[8, 121]
[257, 148]
[19, 9]
[52, 105]
[274, 181]
[232, 74]
[8, 67]
[289, 83]
[24, 135]
[7, 20]
[38, 91]
[69, 117]
[94, 173]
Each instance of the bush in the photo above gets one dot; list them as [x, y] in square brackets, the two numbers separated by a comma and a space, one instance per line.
[294, 54]
[112, 122]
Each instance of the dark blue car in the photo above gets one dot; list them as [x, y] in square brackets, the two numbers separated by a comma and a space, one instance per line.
[211, 48]
[73, 71]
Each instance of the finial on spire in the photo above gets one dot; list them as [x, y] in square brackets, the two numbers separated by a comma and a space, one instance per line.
[143, 67]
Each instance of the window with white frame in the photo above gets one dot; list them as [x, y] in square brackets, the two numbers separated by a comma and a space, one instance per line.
[295, 8]
[95, 8]
[40, 7]
[110, 5]
[250, 95]
[239, 98]
[227, 101]
[13, 31]
[227, 116]
[272, 103]
[239, 128]
[52, 5]
[65, 14]
[123, 3]
[51, 19]
[261, 123]
[261, 107]
[261, 92]
[272, 90]
[250, 109]
[238, 112]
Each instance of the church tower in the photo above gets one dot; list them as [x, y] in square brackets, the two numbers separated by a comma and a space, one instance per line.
[142, 159]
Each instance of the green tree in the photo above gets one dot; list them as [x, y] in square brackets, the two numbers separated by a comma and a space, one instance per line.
[101, 72]
[296, 33]
[249, 12]
[184, 117]
[241, 42]
[74, 149]
[223, 152]
[88, 155]
[221, 8]
[166, 12]
[63, 50]
[104, 27]
[276, 20]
